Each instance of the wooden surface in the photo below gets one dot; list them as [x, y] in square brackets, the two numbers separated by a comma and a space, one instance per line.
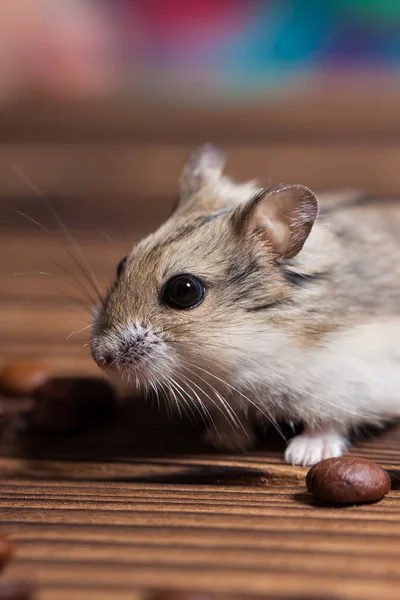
[140, 503]
[91, 153]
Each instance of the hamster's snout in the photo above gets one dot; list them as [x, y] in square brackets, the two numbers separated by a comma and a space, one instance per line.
[104, 360]
[103, 355]
[126, 348]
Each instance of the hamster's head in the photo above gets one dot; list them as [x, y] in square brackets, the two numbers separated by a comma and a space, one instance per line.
[187, 300]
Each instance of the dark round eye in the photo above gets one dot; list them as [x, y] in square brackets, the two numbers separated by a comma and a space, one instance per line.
[121, 265]
[183, 291]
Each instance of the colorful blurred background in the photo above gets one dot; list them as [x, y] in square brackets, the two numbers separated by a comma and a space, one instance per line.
[194, 52]
[104, 99]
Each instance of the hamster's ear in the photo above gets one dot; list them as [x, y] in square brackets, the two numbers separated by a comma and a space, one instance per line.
[204, 166]
[286, 214]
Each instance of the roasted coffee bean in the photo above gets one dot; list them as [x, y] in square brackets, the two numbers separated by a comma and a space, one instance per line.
[98, 399]
[16, 589]
[348, 480]
[22, 378]
[55, 415]
[70, 405]
[5, 550]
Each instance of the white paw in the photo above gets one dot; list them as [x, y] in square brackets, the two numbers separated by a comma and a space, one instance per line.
[307, 449]
[228, 439]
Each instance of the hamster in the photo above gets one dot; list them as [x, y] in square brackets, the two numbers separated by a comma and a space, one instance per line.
[256, 305]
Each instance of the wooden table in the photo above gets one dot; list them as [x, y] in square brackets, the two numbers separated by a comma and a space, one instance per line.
[141, 503]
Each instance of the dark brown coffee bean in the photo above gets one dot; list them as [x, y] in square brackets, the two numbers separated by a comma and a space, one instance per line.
[348, 480]
[98, 399]
[5, 550]
[70, 405]
[55, 415]
[16, 589]
[22, 378]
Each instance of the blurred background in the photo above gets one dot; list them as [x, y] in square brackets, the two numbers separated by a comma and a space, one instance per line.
[102, 100]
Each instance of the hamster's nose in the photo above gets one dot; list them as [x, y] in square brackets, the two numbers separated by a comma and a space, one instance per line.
[105, 360]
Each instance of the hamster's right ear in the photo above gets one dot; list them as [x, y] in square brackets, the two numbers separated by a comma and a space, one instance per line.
[283, 215]
[205, 166]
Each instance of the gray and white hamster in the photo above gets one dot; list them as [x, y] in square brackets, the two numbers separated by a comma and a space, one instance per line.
[247, 305]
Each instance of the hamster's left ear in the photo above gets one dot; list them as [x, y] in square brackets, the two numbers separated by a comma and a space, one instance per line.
[204, 166]
[285, 215]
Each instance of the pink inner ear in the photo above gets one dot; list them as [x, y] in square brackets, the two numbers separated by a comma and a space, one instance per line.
[280, 237]
[287, 215]
[278, 232]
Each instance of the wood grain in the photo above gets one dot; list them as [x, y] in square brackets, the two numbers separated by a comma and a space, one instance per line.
[141, 503]
[330, 114]
[145, 175]
[105, 151]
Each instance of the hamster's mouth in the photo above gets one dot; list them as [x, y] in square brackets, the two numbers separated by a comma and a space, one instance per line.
[147, 361]
[178, 382]
[141, 359]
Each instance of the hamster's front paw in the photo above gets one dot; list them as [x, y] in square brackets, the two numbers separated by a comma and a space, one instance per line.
[224, 437]
[312, 445]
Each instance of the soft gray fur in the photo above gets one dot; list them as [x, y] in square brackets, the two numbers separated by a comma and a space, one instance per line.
[300, 319]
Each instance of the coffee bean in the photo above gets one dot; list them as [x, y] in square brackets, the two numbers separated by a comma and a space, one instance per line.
[5, 550]
[22, 378]
[97, 398]
[16, 589]
[348, 480]
[56, 415]
[70, 405]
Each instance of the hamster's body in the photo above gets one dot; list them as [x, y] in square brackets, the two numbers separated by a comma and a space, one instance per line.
[299, 320]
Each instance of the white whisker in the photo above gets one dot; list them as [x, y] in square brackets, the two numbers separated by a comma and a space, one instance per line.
[228, 414]
[34, 273]
[87, 269]
[78, 331]
[201, 408]
[240, 394]
[323, 400]
[187, 407]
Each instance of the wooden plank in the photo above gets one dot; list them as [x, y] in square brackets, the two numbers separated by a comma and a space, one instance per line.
[129, 182]
[141, 503]
[311, 115]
